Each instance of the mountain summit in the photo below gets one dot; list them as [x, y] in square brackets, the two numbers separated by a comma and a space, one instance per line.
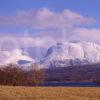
[70, 53]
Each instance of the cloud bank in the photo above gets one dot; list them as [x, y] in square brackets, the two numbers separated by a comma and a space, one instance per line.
[44, 18]
[7, 57]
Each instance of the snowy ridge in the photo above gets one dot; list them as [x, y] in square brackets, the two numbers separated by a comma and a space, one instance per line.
[64, 54]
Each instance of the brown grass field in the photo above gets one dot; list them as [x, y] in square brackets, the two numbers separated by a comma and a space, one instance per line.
[49, 93]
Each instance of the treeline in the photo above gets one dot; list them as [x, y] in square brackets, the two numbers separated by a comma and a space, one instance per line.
[16, 76]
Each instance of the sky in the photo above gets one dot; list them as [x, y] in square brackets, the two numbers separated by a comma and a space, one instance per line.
[88, 8]
[48, 20]
[30, 27]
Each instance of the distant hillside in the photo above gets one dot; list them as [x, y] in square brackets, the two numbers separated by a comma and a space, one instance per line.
[86, 73]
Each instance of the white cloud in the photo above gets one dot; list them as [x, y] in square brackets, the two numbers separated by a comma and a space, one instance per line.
[13, 42]
[62, 25]
[44, 18]
[46, 39]
[7, 57]
[86, 34]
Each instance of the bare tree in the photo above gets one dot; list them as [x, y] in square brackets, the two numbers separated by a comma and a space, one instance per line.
[14, 75]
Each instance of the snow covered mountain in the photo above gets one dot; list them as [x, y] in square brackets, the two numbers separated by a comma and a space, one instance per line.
[59, 55]
[15, 56]
[70, 53]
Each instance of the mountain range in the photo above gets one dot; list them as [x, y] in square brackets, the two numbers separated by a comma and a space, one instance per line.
[69, 54]
[58, 55]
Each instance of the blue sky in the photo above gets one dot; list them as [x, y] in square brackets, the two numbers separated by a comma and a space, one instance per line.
[85, 8]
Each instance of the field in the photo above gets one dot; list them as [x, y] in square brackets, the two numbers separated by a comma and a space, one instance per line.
[49, 93]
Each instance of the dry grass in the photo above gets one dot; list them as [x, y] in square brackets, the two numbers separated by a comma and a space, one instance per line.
[49, 93]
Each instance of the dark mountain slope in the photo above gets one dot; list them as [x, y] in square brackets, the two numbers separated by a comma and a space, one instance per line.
[73, 73]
